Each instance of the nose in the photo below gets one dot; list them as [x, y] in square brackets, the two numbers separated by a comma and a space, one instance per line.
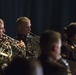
[29, 28]
[4, 30]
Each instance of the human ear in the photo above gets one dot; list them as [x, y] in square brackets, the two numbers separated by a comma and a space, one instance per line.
[55, 47]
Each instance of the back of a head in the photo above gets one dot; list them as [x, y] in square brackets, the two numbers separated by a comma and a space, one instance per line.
[22, 20]
[70, 30]
[48, 39]
[18, 66]
[23, 66]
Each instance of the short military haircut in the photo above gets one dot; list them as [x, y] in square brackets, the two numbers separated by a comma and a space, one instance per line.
[22, 21]
[48, 39]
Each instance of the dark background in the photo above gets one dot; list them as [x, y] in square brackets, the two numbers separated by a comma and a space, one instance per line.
[44, 14]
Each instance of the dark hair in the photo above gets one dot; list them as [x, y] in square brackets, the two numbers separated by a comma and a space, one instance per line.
[18, 66]
[48, 39]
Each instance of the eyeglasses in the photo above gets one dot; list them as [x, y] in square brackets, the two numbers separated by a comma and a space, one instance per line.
[28, 26]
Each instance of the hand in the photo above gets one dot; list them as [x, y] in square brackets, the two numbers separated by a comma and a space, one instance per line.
[22, 44]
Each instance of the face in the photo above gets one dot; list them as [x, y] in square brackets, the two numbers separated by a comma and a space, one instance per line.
[25, 29]
[2, 30]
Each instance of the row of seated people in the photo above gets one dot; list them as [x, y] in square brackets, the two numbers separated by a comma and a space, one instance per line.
[49, 62]
[23, 46]
[53, 52]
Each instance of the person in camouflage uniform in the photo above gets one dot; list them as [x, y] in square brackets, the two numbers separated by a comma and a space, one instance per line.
[9, 47]
[31, 40]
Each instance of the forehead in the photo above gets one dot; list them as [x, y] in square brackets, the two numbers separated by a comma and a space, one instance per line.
[28, 24]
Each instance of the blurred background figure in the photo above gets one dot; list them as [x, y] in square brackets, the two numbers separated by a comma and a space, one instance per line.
[31, 40]
[50, 58]
[69, 45]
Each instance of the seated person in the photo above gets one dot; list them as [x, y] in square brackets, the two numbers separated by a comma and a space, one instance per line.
[50, 58]
[69, 46]
[23, 66]
[31, 40]
[9, 47]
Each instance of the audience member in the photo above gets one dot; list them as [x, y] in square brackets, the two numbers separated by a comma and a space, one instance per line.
[50, 58]
[23, 66]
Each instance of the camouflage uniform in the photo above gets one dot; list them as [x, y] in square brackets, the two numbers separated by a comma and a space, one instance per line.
[32, 45]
